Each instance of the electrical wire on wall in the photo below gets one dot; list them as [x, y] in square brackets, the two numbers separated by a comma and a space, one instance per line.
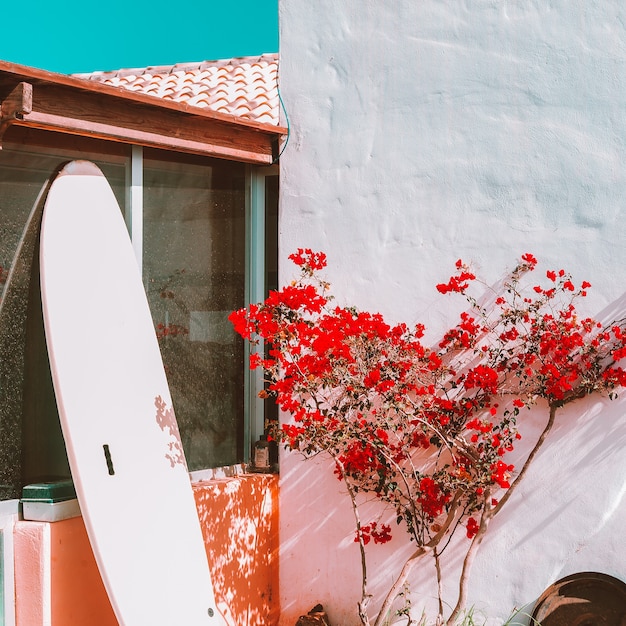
[282, 106]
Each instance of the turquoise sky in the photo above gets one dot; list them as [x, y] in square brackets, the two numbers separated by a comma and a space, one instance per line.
[73, 36]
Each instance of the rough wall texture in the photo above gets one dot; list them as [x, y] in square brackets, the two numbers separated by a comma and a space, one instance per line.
[426, 131]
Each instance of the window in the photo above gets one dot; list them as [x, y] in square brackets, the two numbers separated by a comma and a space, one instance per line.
[194, 249]
[192, 223]
[31, 445]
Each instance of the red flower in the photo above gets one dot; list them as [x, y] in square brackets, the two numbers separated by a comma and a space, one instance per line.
[306, 258]
[472, 527]
[501, 474]
[619, 354]
[371, 531]
[432, 498]
[239, 319]
[483, 377]
[372, 378]
[529, 259]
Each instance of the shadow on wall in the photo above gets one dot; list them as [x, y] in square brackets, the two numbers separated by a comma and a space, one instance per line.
[566, 517]
[320, 560]
[239, 519]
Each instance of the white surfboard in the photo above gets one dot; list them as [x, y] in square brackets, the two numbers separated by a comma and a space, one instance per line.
[120, 432]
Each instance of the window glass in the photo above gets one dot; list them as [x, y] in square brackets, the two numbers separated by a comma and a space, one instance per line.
[194, 272]
[31, 444]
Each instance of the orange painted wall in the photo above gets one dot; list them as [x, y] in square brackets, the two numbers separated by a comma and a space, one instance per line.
[74, 575]
[57, 581]
[239, 519]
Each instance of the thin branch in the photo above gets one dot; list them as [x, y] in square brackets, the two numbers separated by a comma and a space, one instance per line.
[404, 574]
[402, 474]
[439, 586]
[489, 513]
[365, 597]
[529, 460]
[416, 556]
[485, 518]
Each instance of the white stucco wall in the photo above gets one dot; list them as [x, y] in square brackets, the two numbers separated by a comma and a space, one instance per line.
[421, 132]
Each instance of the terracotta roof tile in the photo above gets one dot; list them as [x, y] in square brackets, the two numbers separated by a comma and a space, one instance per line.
[246, 87]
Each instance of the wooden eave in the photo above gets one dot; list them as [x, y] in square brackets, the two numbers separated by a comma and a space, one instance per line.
[39, 99]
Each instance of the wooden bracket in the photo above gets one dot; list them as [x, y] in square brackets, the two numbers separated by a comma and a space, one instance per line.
[15, 106]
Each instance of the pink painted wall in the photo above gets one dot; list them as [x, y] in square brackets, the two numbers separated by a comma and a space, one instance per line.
[57, 582]
[32, 587]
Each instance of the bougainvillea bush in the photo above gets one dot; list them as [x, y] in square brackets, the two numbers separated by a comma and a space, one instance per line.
[427, 429]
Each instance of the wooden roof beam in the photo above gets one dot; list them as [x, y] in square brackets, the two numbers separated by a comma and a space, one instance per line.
[60, 108]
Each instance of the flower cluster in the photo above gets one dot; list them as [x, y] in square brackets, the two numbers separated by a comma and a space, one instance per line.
[372, 531]
[426, 429]
[472, 527]
[308, 260]
[460, 281]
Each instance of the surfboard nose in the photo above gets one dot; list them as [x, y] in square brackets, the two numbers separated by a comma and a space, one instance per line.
[80, 168]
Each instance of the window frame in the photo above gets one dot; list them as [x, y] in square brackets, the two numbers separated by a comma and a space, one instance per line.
[256, 291]
[255, 282]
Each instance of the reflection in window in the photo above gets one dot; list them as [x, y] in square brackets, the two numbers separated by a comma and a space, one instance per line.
[194, 271]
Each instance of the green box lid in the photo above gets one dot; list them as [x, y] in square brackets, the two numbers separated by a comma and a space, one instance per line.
[57, 491]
